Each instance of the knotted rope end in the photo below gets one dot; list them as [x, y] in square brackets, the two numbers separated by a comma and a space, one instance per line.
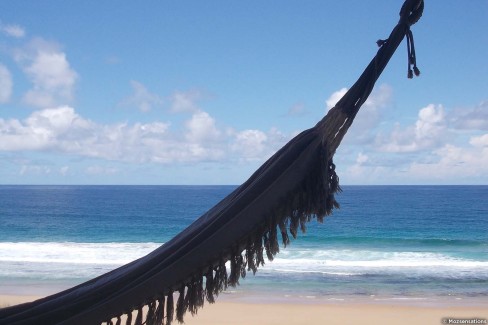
[410, 13]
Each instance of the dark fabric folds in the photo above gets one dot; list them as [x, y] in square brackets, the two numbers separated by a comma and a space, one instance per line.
[296, 185]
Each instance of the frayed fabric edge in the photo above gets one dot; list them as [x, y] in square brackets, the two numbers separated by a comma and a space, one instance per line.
[314, 198]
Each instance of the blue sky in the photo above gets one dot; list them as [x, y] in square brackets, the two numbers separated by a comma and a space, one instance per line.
[202, 92]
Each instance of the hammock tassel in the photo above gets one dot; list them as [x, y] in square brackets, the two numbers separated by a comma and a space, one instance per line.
[160, 310]
[129, 318]
[209, 286]
[170, 309]
[139, 316]
[151, 314]
[180, 305]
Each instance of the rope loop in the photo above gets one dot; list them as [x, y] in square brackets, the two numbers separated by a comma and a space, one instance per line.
[411, 11]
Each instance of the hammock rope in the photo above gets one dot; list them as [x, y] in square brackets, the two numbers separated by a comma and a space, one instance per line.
[297, 184]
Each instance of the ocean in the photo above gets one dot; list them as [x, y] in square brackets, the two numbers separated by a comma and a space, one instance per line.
[385, 243]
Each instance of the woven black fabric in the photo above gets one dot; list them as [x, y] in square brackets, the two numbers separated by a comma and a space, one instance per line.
[295, 185]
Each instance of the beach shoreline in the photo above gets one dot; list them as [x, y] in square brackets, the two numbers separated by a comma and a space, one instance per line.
[405, 261]
[253, 309]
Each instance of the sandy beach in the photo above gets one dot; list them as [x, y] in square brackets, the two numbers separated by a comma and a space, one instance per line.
[229, 310]
[322, 313]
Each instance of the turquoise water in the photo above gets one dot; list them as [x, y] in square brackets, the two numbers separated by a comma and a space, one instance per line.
[385, 242]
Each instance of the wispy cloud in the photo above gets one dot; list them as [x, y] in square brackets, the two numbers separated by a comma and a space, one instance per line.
[15, 31]
[100, 170]
[142, 98]
[185, 101]
[456, 164]
[34, 170]
[475, 118]
[297, 110]
[5, 84]
[113, 59]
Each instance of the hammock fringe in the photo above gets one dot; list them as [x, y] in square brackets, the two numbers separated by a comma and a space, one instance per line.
[314, 199]
[129, 319]
[170, 309]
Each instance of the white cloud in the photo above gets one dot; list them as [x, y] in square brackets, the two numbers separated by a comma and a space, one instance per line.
[62, 130]
[481, 141]
[50, 73]
[64, 170]
[361, 158]
[15, 31]
[256, 145]
[203, 141]
[185, 101]
[380, 97]
[455, 164]
[201, 127]
[475, 118]
[34, 169]
[99, 170]
[335, 97]
[363, 130]
[430, 131]
[251, 144]
[41, 130]
[449, 164]
[358, 169]
[428, 151]
[431, 122]
[5, 84]
[142, 98]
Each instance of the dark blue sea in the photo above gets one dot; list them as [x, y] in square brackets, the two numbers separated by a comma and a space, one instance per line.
[384, 243]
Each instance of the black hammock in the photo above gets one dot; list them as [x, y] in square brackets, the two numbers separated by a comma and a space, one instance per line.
[292, 187]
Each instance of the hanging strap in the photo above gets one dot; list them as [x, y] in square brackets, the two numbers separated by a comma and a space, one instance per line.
[410, 13]
[348, 106]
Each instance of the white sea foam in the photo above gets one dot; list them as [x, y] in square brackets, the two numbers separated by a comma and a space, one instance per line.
[55, 260]
[362, 262]
[85, 260]
[74, 253]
